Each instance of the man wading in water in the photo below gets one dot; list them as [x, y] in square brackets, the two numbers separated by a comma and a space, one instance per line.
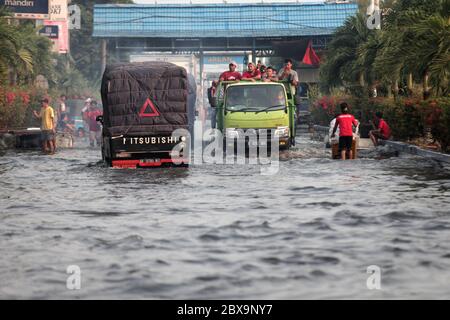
[47, 126]
[345, 121]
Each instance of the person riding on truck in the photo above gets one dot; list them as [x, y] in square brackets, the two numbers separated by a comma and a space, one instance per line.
[345, 122]
[231, 74]
[287, 73]
[269, 75]
[252, 73]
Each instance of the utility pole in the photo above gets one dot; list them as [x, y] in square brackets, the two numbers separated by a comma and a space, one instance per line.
[103, 55]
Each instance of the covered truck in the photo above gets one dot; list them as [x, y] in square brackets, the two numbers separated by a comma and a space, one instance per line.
[145, 106]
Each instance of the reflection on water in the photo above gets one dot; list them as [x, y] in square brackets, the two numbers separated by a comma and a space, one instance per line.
[222, 231]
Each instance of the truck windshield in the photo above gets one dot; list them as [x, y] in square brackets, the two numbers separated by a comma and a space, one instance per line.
[255, 98]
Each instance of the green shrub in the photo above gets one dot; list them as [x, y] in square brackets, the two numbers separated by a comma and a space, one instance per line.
[325, 109]
[16, 105]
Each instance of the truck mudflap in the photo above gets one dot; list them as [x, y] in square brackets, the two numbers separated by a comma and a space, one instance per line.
[141, 163]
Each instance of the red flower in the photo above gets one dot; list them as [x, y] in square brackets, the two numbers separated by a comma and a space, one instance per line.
[10, 97]
[409, 103]
[25, 98]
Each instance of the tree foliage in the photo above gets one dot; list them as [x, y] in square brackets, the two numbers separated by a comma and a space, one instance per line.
[85, 50]
[23, 53]
[414, 40]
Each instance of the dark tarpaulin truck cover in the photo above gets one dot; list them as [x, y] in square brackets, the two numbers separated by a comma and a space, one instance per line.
[144, 98]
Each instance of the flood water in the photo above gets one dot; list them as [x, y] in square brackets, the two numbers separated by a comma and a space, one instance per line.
[223, 231]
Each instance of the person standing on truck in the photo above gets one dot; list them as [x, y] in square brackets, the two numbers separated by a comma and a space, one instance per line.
[269, 75]
[231, 74]
[48, 127]
[263, 70]
[287, 73]
[383, 132]
[345, 121]
[252, 73]
[94, 127]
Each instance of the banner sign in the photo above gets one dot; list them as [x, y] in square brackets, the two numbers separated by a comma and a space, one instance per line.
[74, 17]
[61, 44]
[50, 32]
[58, 10]
[27, 9]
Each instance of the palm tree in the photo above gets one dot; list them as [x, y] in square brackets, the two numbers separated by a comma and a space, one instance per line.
[345, 62]
[12, 55]
[23, 53]
[431, 46]
[415, 41]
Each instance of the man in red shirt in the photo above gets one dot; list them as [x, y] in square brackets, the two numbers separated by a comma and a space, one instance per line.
[94, 126]
[383, 132]
[252, 73]
[345, 121]
[232, 74]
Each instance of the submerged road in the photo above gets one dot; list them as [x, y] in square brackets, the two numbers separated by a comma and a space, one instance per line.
[224, 232]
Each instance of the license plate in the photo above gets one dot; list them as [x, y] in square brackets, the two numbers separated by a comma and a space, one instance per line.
[150, 160]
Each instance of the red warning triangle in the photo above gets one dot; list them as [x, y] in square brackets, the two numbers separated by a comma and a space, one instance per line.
[146, 107]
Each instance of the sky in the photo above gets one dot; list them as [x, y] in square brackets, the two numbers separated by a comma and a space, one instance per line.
[218, 1]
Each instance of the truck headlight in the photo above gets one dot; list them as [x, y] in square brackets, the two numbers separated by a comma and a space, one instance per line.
[231, 133]
[281, 132]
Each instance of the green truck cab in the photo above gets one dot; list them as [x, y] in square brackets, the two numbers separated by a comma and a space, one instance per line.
[242, 106]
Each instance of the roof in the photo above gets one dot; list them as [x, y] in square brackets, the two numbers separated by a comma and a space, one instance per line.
[220, 20]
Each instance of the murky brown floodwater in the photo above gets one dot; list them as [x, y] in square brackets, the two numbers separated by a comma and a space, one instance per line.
[220, 231]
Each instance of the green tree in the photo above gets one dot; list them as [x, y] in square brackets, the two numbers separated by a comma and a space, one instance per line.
[344, 64]
[85, 50]
[23, 53]
[430, 46]
[415, 42]
[13, 56]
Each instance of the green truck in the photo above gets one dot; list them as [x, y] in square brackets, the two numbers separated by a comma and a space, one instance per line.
[253, 106]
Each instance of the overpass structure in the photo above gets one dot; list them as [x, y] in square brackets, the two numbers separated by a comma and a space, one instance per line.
[265, 29]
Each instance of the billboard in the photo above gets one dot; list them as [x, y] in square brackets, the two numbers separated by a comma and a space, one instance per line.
[58, 10]
[51, 32]
[60, 44]
[27, 9]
